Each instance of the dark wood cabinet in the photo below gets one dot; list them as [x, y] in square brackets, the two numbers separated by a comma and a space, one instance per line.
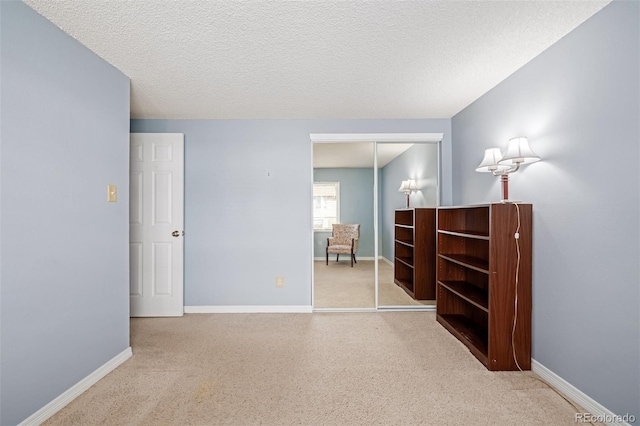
[415, 252]
[484, 281]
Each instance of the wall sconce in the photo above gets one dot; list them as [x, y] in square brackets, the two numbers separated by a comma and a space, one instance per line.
[518, 152]
[408, 186]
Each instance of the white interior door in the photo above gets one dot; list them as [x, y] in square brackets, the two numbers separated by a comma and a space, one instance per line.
[156, 216]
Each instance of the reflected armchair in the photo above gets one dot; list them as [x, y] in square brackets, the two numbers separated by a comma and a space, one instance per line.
[344, 241]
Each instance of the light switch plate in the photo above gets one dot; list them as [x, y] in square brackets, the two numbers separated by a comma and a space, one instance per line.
[112, 193]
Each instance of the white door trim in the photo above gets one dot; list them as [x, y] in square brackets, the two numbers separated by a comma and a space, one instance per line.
[375, 137]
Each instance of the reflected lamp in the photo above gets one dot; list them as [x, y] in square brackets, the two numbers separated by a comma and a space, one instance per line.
[408, 186]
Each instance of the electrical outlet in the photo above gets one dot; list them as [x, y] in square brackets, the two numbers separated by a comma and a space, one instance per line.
[279, 281]
[112, 193]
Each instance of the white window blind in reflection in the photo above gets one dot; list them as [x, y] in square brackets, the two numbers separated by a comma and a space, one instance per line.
[326, 205]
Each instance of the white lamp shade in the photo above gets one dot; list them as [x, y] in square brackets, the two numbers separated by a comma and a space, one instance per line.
[490, 161]
[518, 152]
[408, 186]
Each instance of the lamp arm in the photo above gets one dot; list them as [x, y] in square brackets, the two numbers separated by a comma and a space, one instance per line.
[506, 172]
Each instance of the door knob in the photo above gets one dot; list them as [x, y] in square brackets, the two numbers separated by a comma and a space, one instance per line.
[175, 233]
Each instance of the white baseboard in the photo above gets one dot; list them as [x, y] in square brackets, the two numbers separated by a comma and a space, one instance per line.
[598, 411]
[346, 258]
[248, 309]
[407, 308]
[332, 258]
[74, 391]
[386, 260]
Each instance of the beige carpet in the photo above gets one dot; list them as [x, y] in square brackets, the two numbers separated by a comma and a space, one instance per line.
[338, 285]
[385, 368]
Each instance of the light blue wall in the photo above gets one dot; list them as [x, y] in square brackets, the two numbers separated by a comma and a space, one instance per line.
[578, 102]
[242, 227]
[356, 206]
[420, 163]
[64, 308]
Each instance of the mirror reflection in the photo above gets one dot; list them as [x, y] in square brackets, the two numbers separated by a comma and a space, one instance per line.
[407, 177]
[343, 210]
[408, 197]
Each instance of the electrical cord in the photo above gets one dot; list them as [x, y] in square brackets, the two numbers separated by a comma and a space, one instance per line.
[515, 313]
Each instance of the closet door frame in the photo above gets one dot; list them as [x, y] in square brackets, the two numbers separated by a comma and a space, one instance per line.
[375, 138]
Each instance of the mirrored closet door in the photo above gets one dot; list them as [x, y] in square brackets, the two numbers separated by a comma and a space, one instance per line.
[406, 275]
[386, 193]
[343, 207]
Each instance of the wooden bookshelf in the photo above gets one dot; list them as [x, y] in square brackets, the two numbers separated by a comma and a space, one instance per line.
[414, 252]
[477, 259]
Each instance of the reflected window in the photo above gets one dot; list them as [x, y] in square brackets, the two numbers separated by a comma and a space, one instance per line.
[326, 205]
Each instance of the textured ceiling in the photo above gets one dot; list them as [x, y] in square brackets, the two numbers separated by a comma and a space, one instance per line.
[313, 59]
[359, 155]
